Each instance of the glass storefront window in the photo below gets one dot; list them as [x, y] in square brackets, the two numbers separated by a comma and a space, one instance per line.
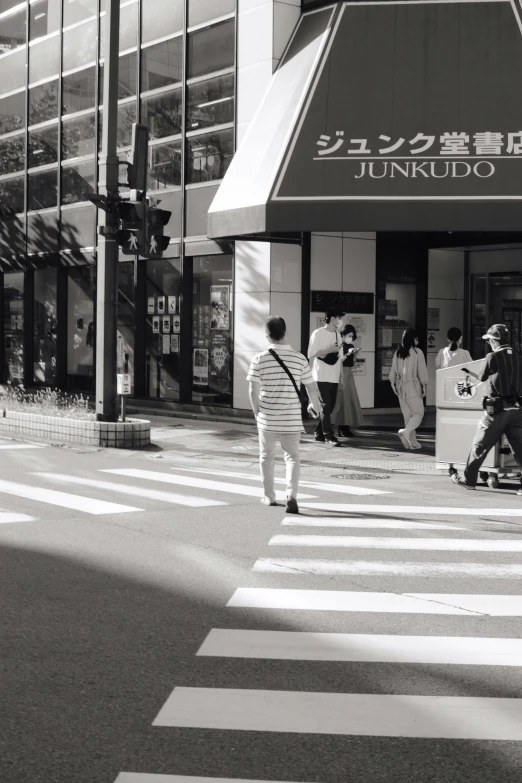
[163, 328]
[43, 146]
[44, 59]
[162, 64]
[210, 102]
[78, 181]
[162, 113]
[165, 165]
[211, 49]
[13, 31]
[80, 46]
[12, 71]
[12, 192]
[13, 293]
[12, 113]
[79, 91]
[161, 18]
[45, 326]
[126, 116]
[43, 102]
[5, 5]
[12, 154]
[125, 336]
[209, 155]
[201, 11]
[42, 189]
[127, 73]
[128, 28]
[80, 327]
[77, 10]
[212, 330]
[479, 314]
[78, 137]
[44, 18]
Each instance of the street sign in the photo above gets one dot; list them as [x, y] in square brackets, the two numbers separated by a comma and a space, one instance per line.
[123, 383]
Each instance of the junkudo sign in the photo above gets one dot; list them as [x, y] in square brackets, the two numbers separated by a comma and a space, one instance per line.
[413, 101]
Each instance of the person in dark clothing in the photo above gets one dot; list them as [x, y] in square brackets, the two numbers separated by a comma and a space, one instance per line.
[503, 408]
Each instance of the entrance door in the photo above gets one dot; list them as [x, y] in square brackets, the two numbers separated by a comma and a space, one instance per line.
[495, 298]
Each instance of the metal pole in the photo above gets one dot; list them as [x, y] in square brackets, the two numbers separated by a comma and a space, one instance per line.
[107, 255]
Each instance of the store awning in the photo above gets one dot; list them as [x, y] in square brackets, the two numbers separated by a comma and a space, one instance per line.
[385, 116]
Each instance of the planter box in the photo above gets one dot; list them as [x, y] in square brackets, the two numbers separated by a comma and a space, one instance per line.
[131, 434]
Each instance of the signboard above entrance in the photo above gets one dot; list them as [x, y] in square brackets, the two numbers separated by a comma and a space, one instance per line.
[347, 301]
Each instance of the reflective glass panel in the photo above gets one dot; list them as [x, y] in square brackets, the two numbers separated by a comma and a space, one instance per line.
[162, 113]
[163, 328]
[12, 113]
[13, 31]
[161, 18]
[211, 49]
[200, 11]
[78, 91]
[12, 154]
[44, 58]
[78, 181]
[126, 116]
[77, 10]
[210, 102]
[164, 165]
[209, 155]
[78, 137]
[43, 146]
[79, 46]
[162, 64]
[43, 102]
[44, 18]
[13, 293]
[5, 5]
[12, 71]
[12, 194]
[127, 72]
[45, 326]
[80, 326]
[128, 29]
[42, 189]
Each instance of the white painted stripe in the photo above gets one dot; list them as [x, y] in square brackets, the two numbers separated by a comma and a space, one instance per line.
[64, 499]
[200, 483]
[343, 489]
[361, 714]
[8, 516]
[20, 446]
[143, 777]
[301, 646]
[348, 601]
[442, 510]
[363, 522]
[284, 565]
[380, 542]
[150, 494]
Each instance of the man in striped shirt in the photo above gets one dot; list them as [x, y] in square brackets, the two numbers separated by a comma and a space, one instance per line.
[277, 408]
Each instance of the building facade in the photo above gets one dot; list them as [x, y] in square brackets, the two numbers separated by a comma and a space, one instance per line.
[285, 225]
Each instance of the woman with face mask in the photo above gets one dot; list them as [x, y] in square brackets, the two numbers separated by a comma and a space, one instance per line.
[409, 380]
[347, 412]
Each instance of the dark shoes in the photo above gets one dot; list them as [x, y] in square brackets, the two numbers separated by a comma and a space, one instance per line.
[319, 438]
[461, 482]
[332, 441]
[291, 506]
[345, 432]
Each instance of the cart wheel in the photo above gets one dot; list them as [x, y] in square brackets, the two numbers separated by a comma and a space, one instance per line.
[483, 476]
[493, 481]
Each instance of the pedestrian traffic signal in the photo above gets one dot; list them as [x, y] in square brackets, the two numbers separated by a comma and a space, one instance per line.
[132, 235]
[157, 219]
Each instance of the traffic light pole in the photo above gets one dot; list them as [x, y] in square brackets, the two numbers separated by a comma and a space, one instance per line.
[108, 222]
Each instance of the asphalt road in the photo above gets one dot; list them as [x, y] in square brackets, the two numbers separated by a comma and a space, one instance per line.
[104, 610]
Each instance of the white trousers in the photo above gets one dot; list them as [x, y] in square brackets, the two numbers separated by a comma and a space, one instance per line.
[413, 411]
[267, 446]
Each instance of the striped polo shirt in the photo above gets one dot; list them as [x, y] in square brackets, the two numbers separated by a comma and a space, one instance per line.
[503, 368]
[279, 405]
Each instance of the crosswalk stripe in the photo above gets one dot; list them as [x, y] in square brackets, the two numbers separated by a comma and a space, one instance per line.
[343, 489]
[363, 522]
[21, 446]
[143, 777]
[349, 508]
[381, 542]
[64, 499]
[304, 646]
[348, 601]
[8, 516]
[287, 565]
[150, 494]
[435, 717]
[200, 483]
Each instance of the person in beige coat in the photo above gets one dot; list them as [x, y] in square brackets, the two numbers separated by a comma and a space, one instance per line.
[409, 380]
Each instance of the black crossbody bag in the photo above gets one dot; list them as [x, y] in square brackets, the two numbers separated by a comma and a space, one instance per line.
[302, 395]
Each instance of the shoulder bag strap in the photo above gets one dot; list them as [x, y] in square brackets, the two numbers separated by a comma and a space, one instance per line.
[285, 368]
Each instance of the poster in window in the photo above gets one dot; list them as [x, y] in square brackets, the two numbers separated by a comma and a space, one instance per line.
[220, 303]
[166, 343]
[172, 301]
[174, 343]
[359, 367]
[166, 324]
[433, 319]
[219, 362]
[161, 305]
[150, 305]
[156, 324]
[200, 366]
[176, 323]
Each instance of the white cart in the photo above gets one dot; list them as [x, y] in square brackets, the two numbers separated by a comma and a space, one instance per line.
[459, 410]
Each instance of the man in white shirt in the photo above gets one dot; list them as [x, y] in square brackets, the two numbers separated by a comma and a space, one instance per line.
[277, 408]
[323, 349]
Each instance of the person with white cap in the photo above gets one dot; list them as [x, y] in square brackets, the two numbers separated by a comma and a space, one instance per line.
[502, 407]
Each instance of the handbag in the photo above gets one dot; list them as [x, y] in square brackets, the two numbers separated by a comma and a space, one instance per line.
[302, 396]
[331, 358]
